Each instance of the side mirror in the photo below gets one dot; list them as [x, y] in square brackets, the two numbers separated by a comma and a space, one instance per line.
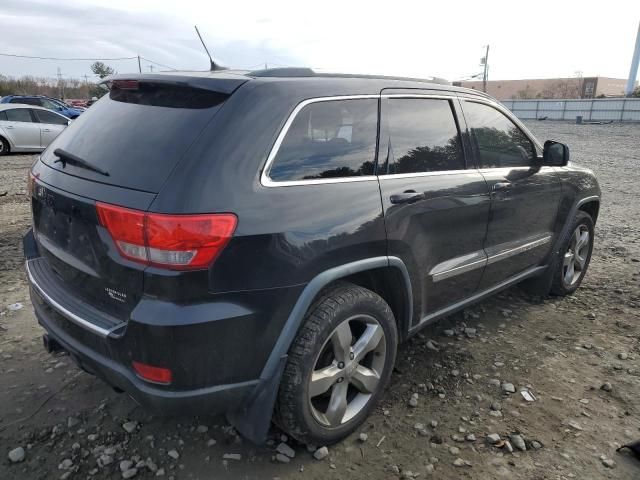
[555, 154]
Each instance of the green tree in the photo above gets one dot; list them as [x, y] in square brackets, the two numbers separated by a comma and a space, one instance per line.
[636, 93]
[102, 70]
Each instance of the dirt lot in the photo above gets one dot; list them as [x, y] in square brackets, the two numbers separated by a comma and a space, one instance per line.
[564, 350]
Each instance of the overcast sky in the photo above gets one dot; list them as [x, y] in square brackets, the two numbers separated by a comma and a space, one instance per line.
[534, 39]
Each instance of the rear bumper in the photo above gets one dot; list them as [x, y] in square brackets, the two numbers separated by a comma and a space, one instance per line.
[216, 349]
[209, 400]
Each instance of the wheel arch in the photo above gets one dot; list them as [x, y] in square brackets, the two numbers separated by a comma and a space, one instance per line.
[592, 207]
[254, 417]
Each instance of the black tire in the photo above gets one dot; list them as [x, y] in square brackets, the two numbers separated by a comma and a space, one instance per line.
[294, 410]
[4, 147]
[560, 286]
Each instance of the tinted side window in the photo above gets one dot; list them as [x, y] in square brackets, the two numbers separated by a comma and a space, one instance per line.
[422, 136]
[499, 142]
[3, 116]
[27, 101]
[18, 115]
[49, 117]
[329, 139]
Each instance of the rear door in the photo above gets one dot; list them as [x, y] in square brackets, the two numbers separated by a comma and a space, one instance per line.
[51, 125]
[524, 194]
[135, 137]
[20, 126]
[435, 207]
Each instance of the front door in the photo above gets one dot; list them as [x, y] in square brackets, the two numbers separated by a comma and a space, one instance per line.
[436, 210]
[524, 195]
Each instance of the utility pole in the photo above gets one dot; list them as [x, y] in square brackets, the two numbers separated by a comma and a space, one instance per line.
[60, 84]
[633, 72]
[151, 68]
[139, 66]
[485, 75]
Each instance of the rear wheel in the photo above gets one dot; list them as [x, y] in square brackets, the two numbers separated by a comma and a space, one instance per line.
[338, 366]
[574, 255]
[4, 147]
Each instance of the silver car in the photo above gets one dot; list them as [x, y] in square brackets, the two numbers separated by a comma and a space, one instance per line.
[27, 128]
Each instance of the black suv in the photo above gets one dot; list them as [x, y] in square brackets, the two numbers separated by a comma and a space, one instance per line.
[258, 243]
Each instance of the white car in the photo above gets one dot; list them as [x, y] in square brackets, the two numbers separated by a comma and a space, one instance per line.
[27, 128]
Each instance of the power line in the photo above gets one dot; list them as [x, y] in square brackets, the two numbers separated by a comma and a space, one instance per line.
[67, 59]
[151, 61]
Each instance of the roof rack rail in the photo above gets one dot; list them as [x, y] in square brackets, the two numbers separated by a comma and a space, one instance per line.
[283, 72]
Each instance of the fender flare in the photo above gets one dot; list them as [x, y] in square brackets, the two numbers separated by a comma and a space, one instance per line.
[254, 418]
[572, 213]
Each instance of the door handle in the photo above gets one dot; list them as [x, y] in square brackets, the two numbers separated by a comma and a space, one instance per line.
[409, 196]
[9, 127]
[501, 186]
[46, 129]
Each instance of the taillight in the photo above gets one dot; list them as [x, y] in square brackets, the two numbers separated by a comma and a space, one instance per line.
[31, 184]
[178, 242]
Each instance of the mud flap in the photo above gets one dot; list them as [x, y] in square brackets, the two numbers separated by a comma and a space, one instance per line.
[254, 419]
[29, 245]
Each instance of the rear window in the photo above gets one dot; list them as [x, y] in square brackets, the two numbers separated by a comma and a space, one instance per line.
[421, 136]
[329, 139]
[138, 134]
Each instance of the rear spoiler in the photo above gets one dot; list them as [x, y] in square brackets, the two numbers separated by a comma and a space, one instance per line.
[225, 83]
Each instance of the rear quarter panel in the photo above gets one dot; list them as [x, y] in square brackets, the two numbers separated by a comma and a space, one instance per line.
[285, 235]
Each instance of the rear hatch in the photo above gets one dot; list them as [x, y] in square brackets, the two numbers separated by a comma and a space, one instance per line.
[119, 152]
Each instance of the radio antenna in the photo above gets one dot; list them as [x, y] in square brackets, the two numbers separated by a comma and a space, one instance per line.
[214, 65]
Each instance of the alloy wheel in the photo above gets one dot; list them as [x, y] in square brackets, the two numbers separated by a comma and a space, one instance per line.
[575, 258]
[347, 371]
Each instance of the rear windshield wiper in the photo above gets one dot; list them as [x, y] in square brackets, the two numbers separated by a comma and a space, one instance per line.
[65, 157]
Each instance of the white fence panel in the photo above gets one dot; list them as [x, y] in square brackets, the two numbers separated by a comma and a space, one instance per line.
[614, 109]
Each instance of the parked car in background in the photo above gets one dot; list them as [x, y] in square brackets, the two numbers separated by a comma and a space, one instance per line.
[258, 243]
[46, 102]
[27, 128]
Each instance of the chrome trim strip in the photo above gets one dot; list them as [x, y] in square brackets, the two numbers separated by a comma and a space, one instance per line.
[475, 297]
[469, 262]
[458, 270]
[266, 181]
[457, 265]
[66, 313]
[517, 250]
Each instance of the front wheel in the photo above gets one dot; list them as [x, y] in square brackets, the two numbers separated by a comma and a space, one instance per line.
[574, 255]
[338, 366]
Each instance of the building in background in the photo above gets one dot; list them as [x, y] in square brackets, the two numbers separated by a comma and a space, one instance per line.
[574, 87]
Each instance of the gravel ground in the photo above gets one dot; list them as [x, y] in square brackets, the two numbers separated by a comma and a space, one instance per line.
[579, 356]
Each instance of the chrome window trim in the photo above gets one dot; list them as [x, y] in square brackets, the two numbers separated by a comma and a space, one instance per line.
[66, 313]
[428, 174]
[437, 96]
[266, 181]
